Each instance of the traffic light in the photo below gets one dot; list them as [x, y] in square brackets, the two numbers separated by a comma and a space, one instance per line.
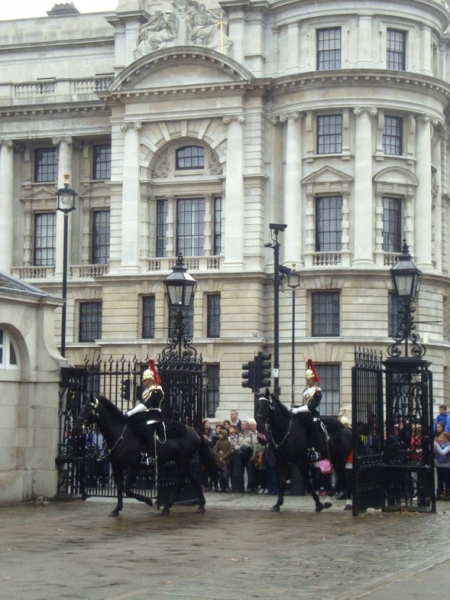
[248, 375]
[263, 366]
[125, 389]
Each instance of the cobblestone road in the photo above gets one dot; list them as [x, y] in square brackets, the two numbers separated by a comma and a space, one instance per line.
[237, 549]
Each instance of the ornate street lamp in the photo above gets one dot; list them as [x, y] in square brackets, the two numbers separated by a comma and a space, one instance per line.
[293, 282]
[180, 288]
[183, 375]
[406, 278]
[66, 203]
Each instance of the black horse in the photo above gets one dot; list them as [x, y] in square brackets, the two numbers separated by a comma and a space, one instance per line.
[124, 452]
[290, 442]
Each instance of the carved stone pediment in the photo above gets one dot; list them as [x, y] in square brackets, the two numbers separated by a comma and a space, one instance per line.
[181, 67]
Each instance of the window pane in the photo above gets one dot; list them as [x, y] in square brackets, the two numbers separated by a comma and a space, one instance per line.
[12, 355]
[190, 157]
[329, 49]
[329, 224]
[392, 136]
[191, 227]
[161, 227]
[392, 225]
[102, 162]
[212, 391]
[325, 314]
[395, 50]
[330, 386]
[329, 134]
[148, 317]
[100, 237]
[394, 319]
[217, 226]
[45, 167]
[44, 239]
[213, 326]
[90, 321]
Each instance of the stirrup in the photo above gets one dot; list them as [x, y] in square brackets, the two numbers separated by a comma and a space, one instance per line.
[313, 455]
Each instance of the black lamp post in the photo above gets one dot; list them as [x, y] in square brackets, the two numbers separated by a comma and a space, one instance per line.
[275, 229]
[66, 204]
[293, 283]
[406, 278]
[180, 288]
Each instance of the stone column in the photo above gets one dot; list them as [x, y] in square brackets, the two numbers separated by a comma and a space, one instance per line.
[423, 205]
[234, 192]
[363, 211]
[131, 199]
[6, 204]
[436, 193]
[293, 202]
[293, 45]
[64, 168]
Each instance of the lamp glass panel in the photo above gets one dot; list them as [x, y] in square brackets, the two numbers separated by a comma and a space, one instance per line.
[175, 294]
[404, 284]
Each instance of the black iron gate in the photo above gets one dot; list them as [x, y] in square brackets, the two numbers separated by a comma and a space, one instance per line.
[82, 471]
[393, 458]
[368, 431]
[409, 447]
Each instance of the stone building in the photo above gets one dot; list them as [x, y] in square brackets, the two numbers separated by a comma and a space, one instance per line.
[187, 129]
[29, 376]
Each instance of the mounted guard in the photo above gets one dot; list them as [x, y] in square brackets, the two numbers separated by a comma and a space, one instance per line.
[309, 416]
[153, 420]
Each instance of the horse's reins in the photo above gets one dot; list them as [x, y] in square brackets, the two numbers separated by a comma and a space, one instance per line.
[275, 428]
[98, 456]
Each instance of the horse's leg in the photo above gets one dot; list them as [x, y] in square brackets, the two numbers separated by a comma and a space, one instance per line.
[118, 478]
[306, 474]
[198, 487]
[282, 471]
[129, 482]
[182, 469]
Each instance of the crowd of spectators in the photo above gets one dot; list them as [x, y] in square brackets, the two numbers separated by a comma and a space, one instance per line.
[239, 447]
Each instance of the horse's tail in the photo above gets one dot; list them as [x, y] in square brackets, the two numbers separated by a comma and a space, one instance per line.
[207, 458]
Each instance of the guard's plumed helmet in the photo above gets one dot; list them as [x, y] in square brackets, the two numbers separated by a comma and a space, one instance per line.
[309, 374]
[148, 375]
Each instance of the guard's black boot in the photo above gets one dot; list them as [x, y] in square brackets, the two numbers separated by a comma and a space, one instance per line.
[320, 437]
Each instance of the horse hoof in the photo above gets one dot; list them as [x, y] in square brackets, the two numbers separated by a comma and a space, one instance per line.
[348, 507]
[165, 512]
[319, 507]
[275, 508]
[114, 513]
[201, 510]
[327, 505]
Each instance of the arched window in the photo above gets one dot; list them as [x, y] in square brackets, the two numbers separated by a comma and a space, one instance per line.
[9, 355]
[190, 157]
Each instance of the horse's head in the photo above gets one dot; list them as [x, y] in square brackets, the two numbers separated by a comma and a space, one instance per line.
[265, 406]
[89, 414]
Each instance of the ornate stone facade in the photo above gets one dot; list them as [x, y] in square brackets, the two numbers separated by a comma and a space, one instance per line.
[221, 119]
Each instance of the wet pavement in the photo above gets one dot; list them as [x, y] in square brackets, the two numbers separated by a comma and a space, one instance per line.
[237, 549]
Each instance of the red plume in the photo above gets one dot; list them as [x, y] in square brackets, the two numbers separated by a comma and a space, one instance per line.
[310, 365]
[154, 370]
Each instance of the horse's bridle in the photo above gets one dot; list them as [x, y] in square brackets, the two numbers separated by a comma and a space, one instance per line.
[266, 422]
[97, 414]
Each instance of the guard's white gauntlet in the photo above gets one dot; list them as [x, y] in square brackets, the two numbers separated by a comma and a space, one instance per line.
[137, 409]
[300, 409]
